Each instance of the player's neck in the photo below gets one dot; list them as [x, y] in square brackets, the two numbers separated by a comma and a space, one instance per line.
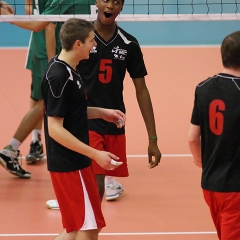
[234, 72]
[105, 31]
[68, 57]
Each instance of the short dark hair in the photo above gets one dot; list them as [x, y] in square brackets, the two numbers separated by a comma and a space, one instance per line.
[230, 50]
[74, 29]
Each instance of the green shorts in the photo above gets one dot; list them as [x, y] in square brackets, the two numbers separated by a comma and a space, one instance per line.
[38, 67]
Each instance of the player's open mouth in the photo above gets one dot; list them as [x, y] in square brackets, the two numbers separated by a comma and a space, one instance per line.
[107, 15]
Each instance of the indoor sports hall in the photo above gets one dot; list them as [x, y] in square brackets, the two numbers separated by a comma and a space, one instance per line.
[164, 203]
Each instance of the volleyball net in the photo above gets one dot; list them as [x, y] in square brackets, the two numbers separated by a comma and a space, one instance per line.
[141, 10]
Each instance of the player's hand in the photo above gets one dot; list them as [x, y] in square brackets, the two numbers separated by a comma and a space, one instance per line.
[115, 116]
[198, 163]
[6, 8]
[107, 160]
[154, 155]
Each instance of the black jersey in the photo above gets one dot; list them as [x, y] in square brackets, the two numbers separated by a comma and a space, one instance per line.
[217, 111]
[65, 97]
[104, 73]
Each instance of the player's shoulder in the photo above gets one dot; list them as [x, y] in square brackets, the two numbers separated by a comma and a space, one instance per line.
[58, 68]
[207, 81]
[127, 36]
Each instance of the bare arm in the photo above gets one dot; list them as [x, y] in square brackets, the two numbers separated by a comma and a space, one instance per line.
[145, 105]
[50, 40]
[109, 115]
[194, 142]
[66, 139]
[7, 7]
[28, 7]
[33, 26]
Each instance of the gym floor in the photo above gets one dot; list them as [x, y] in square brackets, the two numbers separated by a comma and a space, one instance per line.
[164, 203]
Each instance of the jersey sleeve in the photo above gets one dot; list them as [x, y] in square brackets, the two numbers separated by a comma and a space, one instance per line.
[57, 93]
[136, 66]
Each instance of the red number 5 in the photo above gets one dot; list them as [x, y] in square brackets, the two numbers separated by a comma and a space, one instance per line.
[216, 118]
[105, 69]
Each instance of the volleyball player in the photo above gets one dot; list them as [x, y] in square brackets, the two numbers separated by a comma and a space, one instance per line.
[66, 132]
[117, 52]
[214, 140]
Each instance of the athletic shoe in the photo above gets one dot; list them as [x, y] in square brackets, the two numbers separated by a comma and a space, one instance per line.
[36, 152]
[52, 204]
[9, 160]
[113, 191]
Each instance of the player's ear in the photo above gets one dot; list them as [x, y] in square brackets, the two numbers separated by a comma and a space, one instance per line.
[96, 3]
[78, 43]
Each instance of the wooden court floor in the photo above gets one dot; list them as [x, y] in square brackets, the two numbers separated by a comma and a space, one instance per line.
[164, 203]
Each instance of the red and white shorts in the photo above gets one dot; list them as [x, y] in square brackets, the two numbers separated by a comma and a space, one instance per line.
[115, 144]
[78, 199]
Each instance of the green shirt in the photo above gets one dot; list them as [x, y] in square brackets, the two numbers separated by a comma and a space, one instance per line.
[37, 45]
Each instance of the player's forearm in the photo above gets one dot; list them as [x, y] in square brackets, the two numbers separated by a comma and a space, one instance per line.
[194, 142]
[50, 40]
[28, 7]
[33, 26]
[146, 108]
[195, 148]
[94, 112]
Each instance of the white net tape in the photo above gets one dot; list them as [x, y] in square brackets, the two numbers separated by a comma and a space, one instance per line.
[149, 10]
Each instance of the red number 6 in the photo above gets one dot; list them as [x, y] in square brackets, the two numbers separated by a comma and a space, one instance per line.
[216, 118]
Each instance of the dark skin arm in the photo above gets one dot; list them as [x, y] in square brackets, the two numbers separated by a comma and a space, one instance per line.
[145, 105]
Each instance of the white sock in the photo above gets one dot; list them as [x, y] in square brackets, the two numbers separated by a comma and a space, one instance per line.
[36, 135]
[15, 144]
[109, 180]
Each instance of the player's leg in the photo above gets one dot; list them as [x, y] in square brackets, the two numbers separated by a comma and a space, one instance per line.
[36, 146]
[66, 236]
[78, 235]
[10, 154]
[80, 205]
[97, 141]
[117, 145]
[215, 209]
[29, 122]
[230, 215]
[38, 68]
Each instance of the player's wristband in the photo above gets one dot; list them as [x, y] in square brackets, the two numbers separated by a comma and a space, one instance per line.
[153, 138]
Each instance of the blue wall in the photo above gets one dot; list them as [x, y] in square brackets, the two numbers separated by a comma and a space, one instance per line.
[154, 33]
[150, 33]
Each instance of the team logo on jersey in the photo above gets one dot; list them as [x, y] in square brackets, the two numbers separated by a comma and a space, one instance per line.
[93, 50]
[119, 53]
